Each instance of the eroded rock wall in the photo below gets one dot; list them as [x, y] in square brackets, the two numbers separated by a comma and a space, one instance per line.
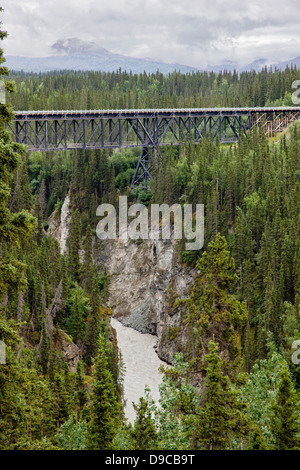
[145, 279]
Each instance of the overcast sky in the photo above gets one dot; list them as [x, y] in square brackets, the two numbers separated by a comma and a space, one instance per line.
[191, 32]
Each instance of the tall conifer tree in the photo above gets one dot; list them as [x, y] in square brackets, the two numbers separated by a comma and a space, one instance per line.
[213, 311]
[105, 406]
[285, 424]
[221, 416]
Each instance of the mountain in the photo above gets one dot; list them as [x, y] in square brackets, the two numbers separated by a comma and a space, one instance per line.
[96, 62]
[227, 65]
[74, 46]
[75, 54]
[259, 64]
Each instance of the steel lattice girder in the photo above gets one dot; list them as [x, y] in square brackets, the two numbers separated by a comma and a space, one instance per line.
[113, 133]
[60, 130]
[153, 128]
[142, 172]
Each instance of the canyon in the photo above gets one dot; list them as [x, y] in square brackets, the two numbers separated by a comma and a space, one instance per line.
[144, 278]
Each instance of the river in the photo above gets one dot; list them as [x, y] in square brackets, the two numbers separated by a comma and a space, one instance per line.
[140, 359]
[142, 364]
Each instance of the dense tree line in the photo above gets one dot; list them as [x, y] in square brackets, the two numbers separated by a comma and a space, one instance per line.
[251, 196]
[242, 314]
[121, 89]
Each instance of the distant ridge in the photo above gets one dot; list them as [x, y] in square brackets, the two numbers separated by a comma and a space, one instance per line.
[259, 64]
[80, 62]
[75, 54]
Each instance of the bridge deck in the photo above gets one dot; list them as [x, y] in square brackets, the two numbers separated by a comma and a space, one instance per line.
[130, 113]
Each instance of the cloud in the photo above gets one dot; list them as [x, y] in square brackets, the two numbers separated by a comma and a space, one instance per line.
[192, 32]
[76, 46]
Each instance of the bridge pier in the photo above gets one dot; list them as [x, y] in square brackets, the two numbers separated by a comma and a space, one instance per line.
[142, 171]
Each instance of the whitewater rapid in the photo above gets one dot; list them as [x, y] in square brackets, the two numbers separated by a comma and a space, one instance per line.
[141, 363]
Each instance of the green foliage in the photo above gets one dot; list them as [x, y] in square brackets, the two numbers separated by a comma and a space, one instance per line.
[221, 416]
[245, 296]
[72, 435]
[259, 393]
[285, 424]
[213, 312]
[105, 406]
[80, 394]
[123, 89]
[27, 404]
[78, 310]
[74, 244]
[143, 434]
[178, 404]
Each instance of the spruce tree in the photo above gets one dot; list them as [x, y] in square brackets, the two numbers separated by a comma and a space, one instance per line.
[93, 324]
[257, 441]
[62, 399]
[213, 311]
[105, 406]
[143, 433]
[80, 395]
[45, 345]
[78, 305]
[12, 225]
[221, 415]
[285, 425]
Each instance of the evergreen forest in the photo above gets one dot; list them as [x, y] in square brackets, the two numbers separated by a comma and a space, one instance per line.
[242, 315]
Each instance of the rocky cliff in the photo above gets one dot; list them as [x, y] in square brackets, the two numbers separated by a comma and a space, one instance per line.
[145, 278]
[59, 228]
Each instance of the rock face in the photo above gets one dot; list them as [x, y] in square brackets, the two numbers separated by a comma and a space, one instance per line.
[69, 350]
[59, 224]
[145, 277]
[59, 228]
[71, 354]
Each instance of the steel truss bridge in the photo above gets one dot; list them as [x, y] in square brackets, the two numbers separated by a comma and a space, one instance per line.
[149, 129]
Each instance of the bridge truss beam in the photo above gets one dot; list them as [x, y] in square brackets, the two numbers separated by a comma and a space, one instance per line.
[114, 129]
